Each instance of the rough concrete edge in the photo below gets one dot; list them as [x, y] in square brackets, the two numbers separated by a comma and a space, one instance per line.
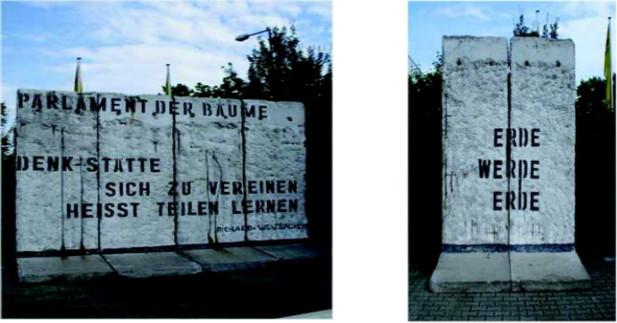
[263, 250]
[40, 278]
[469, 287]
[197, 269]
[535, 286]
[231, 266]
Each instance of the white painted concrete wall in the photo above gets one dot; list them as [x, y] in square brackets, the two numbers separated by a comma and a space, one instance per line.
[543, 97]
[208, 149]
[474, 103]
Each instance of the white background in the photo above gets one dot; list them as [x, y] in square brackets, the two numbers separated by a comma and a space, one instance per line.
[370, 161]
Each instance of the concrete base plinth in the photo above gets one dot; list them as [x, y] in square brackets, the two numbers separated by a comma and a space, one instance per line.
[516, 271]
[40, 269]
[471, 272]
[169, 263]
[296, 252]
[536, 271]
[230, 259]
[152, 264]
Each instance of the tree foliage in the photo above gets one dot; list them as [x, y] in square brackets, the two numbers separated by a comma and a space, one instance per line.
[7, 134]
[425, 165]
[521, 30]
[595, 169]
[279, 70]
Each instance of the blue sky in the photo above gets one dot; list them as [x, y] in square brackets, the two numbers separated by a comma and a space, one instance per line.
[125, 45]
[584, 22]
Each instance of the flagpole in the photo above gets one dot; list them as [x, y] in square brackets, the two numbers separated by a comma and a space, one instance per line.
[610, 44]
[608, 69]
[612, 78]
[168, 82]
[78, 86]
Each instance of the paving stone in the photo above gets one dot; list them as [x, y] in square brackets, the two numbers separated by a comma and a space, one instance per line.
[151, 264]
[40, 269]
[229, 259]
[595, 304]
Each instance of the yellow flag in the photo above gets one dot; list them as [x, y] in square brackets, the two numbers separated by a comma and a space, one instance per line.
[78, 87]
[167, 83]
[608, 70]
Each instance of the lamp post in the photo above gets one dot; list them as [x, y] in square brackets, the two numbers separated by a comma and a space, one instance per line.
[244, 37]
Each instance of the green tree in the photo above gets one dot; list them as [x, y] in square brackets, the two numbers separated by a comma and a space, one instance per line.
[425, 165]
[595, 170]
[7, 134]
[179, 90]
[590, 96]
[280, 70]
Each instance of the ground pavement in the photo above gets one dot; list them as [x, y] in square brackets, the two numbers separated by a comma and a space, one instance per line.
[595, 304]
[276, 289]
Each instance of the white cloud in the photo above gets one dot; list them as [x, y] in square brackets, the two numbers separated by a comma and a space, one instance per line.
[588, 8]
[463, 11]
[134, 40]
[589, 35]
[140, 68]
[323, 9]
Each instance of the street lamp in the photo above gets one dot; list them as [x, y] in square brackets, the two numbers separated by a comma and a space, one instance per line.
[244, 37]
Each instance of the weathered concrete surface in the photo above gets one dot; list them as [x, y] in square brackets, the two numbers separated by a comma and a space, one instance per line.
[42, 192]
[229, 259]
[40, 269]
[137, 135]
[471, 272]
[151, 264]
[543, 96]
[534, 271]
[232, 185]
[209, 150]
[528, 201]
[475, 92]
[295, 251]
[275, 150]
[269, 292]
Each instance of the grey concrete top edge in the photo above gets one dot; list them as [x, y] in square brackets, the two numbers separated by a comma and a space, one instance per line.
[565, 40]
[24, 90]
[463, 37]
[469, 37]
[470, 48]
[541, 50]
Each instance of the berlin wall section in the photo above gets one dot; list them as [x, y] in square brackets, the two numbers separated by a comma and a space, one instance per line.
[282, 139]
[101, 171]
[44, 186]
[209, 156]
[543, 125]
[508, 179]
[144, 137]
[475, 102]
[543, 175]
